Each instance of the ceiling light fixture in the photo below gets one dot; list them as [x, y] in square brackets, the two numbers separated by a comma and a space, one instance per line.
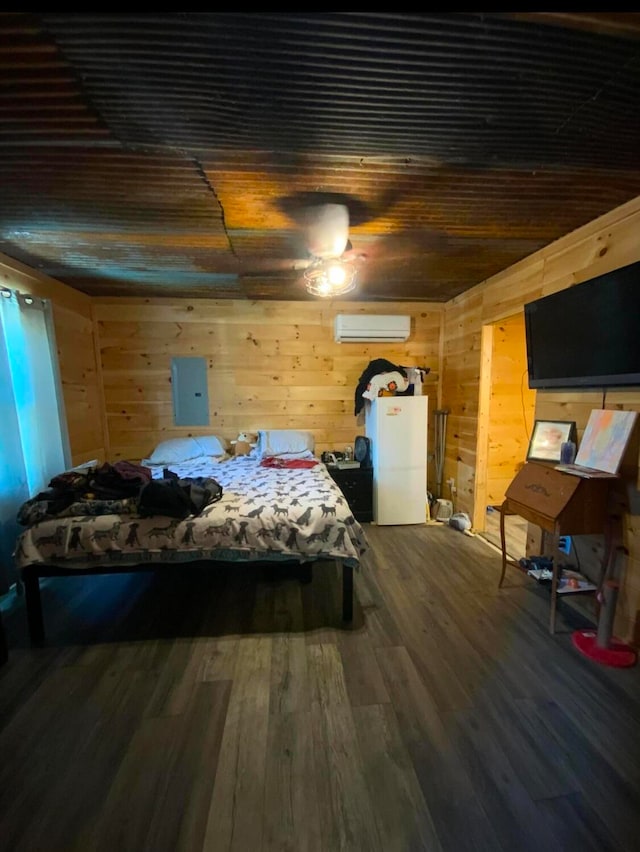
[328, 278]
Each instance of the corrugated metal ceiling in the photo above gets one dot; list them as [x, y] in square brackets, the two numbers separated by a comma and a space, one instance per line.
[153, 153]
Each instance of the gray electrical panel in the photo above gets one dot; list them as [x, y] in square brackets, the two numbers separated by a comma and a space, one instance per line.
[190, 394]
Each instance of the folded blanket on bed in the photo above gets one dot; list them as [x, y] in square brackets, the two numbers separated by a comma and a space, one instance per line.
[49, 504]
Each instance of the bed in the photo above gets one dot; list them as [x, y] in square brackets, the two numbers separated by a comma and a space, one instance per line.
[275, 506]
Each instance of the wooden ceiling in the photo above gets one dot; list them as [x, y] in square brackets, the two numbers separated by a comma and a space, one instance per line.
[152, 154]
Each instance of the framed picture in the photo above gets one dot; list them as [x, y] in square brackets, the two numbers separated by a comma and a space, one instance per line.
[547, 438]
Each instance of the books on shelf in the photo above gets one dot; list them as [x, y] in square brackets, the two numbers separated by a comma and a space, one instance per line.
[585, 472]
[570, 585]
[569, 582]
[542, 575]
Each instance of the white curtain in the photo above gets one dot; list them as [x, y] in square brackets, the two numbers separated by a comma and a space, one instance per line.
[34, 444]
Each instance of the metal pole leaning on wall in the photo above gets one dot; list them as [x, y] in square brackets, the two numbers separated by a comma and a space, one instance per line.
[440, 444]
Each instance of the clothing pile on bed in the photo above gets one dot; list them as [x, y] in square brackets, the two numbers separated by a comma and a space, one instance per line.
[122, 488]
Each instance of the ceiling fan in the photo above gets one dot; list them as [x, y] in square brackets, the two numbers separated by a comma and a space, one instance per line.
[326, 230]
[331, 266]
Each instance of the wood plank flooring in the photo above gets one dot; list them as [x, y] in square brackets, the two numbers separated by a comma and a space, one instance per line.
[229, 709]
[515, 529]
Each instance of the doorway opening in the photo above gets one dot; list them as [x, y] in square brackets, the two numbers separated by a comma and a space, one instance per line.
[506, 413]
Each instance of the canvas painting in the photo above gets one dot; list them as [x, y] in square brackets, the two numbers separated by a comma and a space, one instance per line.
[605, 439]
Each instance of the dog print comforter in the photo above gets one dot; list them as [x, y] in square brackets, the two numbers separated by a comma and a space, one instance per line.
[265, 513]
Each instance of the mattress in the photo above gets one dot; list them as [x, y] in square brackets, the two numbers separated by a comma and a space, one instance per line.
[265, 513]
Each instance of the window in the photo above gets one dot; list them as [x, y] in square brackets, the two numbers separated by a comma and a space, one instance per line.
[34, 445]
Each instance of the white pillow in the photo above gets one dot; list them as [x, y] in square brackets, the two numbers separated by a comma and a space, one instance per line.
[176, 450]
[211, 445]
[285, 443]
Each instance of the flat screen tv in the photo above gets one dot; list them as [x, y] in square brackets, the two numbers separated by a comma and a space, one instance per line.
[587, 336]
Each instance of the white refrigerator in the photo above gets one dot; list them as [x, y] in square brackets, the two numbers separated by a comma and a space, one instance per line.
[397, 428]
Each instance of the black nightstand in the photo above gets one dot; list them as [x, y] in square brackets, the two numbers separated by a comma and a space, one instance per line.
[356, 483]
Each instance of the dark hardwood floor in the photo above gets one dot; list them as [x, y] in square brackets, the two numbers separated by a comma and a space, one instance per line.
[228, 709]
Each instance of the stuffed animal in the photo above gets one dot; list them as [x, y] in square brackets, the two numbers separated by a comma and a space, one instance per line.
[242, 445]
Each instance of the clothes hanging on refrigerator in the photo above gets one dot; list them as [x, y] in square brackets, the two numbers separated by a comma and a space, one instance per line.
[380, 366]
[374, 368]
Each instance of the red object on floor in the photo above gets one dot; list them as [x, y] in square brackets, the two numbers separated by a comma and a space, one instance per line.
[616, 654]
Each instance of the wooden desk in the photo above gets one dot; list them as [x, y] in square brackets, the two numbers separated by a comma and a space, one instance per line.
[560, 504]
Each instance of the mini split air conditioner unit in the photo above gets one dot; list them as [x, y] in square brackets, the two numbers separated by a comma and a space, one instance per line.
[371, 328]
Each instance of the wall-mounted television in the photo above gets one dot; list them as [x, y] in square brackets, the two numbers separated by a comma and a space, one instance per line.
[587, 336]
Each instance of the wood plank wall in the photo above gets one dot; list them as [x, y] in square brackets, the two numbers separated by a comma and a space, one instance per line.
[275, 364]
[605, 244]
[271, 365]
[511, 407]
[81, 385]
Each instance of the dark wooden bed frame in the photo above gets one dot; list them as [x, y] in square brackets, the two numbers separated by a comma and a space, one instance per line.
[31, 575]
